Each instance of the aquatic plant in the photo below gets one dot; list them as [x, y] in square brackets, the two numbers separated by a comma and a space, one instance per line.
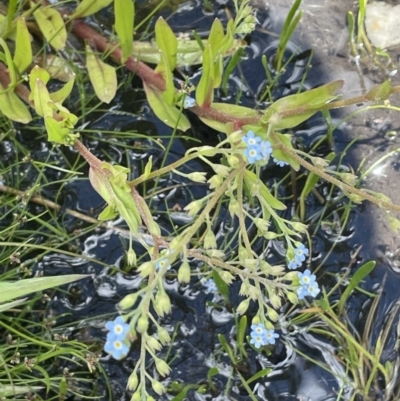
[251, 141]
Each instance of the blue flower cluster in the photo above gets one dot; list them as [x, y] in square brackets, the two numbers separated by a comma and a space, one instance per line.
[117, 344]
[188, 102]
[161, 263]
[257, 149]
[260, 336]
[309, 287]
[300, 254]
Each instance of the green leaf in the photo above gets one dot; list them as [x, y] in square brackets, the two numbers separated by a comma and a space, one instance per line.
[89, 7]
[216, 36]
[362, 272]
[42, 99]
[36, 74]
[52, 26]
[380, 92]
[124, 19]
[168, 114]
[241, 335]
[258, 375]
[221, 285]
[56, 130]
[280, 154]
[102, 76]
[12, 290]
[13, 304]
[23, 49]
[291, 111]
[11, 390]
[166, 42]
[204, 90]
[148, 167]
[108, 213]
[60, 95]
[163, 68]
[10, 65]
[13, 107]
[251, 179]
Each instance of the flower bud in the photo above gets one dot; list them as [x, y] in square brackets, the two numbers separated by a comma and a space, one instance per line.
[270, 235]
[136, 396]
[235, 137]
[215, 181]
[158, 387]
[234, 208]
[197, 177]
[133, 382]
[131, 256]
[275, 300]
[256, 320]
[146, 269]
[210, 241]
[162, 368]
[193, 207]
[142, 324]
[319, 162]
[272, 314]
[292, 297]
[233, 161]
[221, 170]
[152, 343]
[299, 227]
[261, 224]
[215, 253]
[250, 263]
[226, 276]
[184, 272]
[163, 335]
[128, 301]
[290, 276]
[162, 303]
[243, 306]
[349, 178]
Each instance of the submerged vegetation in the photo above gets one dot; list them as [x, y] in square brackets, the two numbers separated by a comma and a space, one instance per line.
[242, 176]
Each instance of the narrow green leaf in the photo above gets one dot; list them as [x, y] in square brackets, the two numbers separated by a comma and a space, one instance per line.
[102, 76]
[12, 290]
[124, 18]
[89, 7]
[11, 390]
[13, 107]
[258, 375]
[168, 114]
[108, 213]
[226, 346]
[221, 285]
[163, 68]
[204, 90]
[380, 92]
[216, 36]
[13, 304]
[23, 49]
[52, 26]
[241, 335]
[182, 395]
[166, 41]
[42, 99]
[359, 275]
[10, 64]
[60, 95]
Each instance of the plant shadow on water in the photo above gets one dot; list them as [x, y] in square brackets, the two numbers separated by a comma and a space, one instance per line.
[127, 134]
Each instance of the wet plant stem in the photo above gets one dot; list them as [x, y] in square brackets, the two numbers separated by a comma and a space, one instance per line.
[333, 180]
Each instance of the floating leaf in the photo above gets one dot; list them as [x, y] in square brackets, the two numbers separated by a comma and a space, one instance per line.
[89, 7]
[168, 114]
[12, 290]
[23, 49]
[102, 76]
[13, 107]
[52, 26]
[124, 18]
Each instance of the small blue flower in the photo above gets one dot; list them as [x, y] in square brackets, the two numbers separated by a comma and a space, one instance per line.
[253, 153]
[300, 253]
[257, 341]
[306, 278]
[270, 336]
[251, 139]
[162, 263]
[258, 330]
[116, 347]
[266, 149]
[188, 102]
[313, 289]
[210, 285]
[302, 292]
[118, 329]
[293, 264]
[280, 163]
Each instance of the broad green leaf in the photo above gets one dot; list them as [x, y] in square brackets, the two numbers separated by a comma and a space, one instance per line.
[16, 289]
[36, 74]
[42, 99]
[52, 26]
[57, 67]
[13, 107]
[108, 213]
[204, 90]
[102, 76]
[380, 92]
[23, 49]
[89, 7]
[166, 42]
[216, 36]
[60, 95]
[251, 179]
[291, 111]
[234, 109]
[359, 275]
[124, 18]
[168, 114]
[163, 68]
[56, 130]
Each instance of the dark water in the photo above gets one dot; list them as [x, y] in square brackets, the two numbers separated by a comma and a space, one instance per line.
[199, 317]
